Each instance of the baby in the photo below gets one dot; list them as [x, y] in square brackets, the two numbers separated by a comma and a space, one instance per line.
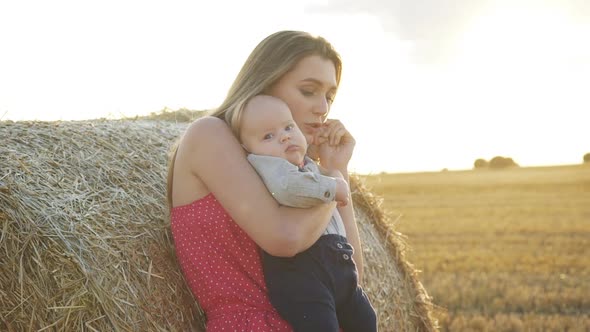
[277, 149]
[317, 289]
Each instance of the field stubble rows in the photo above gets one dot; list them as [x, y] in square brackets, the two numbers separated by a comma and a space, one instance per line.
[499, 250]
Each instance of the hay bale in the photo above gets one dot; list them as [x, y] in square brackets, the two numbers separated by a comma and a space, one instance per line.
[401, 302]
[86, 242]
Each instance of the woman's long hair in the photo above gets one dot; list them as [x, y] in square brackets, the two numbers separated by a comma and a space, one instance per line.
[274, 56]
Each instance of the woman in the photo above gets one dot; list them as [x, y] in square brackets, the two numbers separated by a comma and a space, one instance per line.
[221, 211]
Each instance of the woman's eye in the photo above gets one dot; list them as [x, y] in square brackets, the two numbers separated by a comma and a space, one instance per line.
[307, 93]
[330, 99]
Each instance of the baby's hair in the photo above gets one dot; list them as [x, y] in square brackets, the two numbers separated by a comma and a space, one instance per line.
[233, 117]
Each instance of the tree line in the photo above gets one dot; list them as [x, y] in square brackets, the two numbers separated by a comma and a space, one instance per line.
[499, 162]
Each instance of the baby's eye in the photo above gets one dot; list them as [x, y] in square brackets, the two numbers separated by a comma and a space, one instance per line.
[268, 136]
[289, 127]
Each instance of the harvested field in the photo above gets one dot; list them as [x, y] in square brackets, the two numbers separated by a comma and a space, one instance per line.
[500, 250]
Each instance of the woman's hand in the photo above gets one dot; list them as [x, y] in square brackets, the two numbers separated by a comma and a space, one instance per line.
[333, 145]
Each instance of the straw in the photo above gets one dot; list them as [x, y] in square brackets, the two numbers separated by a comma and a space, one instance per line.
[85, 239]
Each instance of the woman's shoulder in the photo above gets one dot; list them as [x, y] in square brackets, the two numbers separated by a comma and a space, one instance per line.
[205, 137]
[203, 129]
[196, 157]
[205, 123]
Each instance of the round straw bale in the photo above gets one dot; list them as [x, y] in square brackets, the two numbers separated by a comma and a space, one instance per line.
[85, 240]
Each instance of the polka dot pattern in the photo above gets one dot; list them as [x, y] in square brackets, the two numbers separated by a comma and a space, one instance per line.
[223, 269]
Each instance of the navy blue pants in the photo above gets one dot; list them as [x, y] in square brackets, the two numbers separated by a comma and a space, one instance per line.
[317, 290]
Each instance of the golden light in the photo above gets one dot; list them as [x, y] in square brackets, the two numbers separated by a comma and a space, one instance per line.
[517, 35]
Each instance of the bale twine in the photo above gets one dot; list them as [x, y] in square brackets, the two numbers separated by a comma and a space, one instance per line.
[85, 240]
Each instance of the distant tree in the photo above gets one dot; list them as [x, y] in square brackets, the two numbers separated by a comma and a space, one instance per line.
[502, 162]
[511, 163]
[587, 158]
[480, 163]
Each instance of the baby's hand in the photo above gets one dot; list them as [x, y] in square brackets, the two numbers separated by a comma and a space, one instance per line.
[341, 191]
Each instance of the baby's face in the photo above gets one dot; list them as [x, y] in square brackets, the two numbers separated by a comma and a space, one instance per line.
[269, 129]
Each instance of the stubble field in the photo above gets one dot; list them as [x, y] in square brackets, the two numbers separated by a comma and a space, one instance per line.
[499, 250]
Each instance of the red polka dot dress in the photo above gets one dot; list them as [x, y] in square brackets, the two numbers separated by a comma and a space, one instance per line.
[222, 267]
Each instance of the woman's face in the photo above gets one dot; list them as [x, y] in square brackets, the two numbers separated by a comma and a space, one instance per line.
[308, 89]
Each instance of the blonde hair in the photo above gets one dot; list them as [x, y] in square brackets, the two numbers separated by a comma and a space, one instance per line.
[235, 121]
[274, 56]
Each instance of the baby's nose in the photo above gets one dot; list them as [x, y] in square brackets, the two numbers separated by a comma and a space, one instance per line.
[285, 137]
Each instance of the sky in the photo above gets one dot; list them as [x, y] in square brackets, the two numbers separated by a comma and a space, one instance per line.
[426, 84]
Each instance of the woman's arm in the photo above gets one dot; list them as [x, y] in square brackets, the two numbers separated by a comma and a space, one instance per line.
[352, 233]
[334, 147]
[215, 157]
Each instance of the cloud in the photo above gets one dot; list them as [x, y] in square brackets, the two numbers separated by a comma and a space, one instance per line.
[433, 26]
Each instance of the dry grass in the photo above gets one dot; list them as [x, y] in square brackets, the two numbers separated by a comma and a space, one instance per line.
[500, 250]
[86, 243]
[401, 302]
[182, 115]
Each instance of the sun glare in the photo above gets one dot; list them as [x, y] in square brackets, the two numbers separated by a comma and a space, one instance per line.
[517, 36]
[513, 82]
